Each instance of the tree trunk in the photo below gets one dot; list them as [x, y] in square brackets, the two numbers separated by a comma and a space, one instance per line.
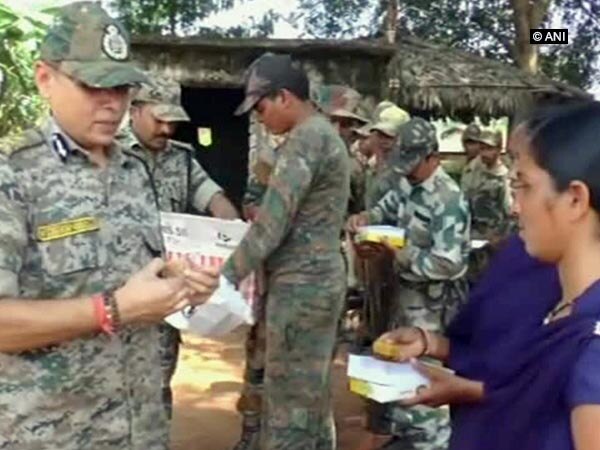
[172, 8]
[391, 21]
[527, 14]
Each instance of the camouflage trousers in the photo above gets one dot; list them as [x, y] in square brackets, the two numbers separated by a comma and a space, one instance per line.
[301, 324]
[352, 262]
[250, 401]
[379, 279]
[170, 339]
[431, 306]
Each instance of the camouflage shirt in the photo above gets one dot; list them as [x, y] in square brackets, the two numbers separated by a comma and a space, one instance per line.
[169, 169]
[297, 231]
[261, 160]
[466, 173]
[378, 184]
[358, 174]
[70, 229]
[436, 218]
[488, 194]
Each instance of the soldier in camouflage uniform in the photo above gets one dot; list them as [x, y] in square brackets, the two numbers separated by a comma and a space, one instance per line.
[380, 178]
[78, 219]
[487, 190]
[377, 273]
[431, 267]
[342, 105]
[488, 193]
[471, 148]
[262, 156]
[179, 183]
[296, 237]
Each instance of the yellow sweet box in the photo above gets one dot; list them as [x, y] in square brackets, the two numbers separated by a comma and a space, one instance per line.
[386, 349]
[379, 392]
[381, 233]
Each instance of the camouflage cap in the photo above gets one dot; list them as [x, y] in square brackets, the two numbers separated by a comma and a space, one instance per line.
[270, 73]
[390, 120]
[471, 132]
[382, 106]
[344, 113]
[363, 131]
[91, 47]
[488, 137]
[165, 97]
[342, 102]
[417, 140]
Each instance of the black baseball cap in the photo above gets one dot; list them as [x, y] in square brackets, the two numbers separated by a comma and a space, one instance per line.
[270, 73]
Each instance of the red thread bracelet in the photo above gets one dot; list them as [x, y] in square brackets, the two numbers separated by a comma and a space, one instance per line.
[103, 319]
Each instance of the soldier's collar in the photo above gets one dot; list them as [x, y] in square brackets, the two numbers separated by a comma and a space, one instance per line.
[64, 147]
[130, 141]
[499, 169]
[61, 144]
[134, 143]
[429, 184]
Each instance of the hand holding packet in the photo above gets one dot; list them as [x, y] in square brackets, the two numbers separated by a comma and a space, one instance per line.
[207, 242]
[223, 312]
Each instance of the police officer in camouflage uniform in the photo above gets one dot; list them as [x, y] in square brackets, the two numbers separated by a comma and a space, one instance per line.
[296, 237]
[431, 267]
[179, 183]
[78, 219]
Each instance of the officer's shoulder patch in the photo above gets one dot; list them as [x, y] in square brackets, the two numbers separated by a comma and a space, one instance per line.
[179, 145]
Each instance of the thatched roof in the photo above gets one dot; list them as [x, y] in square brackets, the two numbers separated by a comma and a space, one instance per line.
[432, 79]
[446, 81]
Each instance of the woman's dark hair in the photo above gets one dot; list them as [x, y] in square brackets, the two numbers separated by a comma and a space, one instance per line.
[565, 142]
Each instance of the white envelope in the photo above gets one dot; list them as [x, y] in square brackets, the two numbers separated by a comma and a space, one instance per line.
[399, 375]
[207, 241]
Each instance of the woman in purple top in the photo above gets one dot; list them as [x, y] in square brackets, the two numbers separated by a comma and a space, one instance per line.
[538, 385]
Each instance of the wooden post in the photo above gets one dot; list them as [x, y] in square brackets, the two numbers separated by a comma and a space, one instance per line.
[391, 21]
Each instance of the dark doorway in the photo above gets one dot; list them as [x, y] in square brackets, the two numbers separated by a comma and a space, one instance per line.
[226, 158]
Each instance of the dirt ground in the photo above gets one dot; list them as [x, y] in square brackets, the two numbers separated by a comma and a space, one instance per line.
[206, 387]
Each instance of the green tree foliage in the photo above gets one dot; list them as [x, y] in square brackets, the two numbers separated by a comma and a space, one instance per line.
[175, 17]
[184, 17]
[337, 18]
[484, 27]
[20, 36]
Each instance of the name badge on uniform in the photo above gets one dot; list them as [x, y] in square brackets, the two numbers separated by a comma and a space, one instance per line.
[64, 229]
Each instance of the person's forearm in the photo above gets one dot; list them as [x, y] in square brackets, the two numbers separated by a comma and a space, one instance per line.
[472, 392]
[32, 324]
[439, 347]
[221, 207]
